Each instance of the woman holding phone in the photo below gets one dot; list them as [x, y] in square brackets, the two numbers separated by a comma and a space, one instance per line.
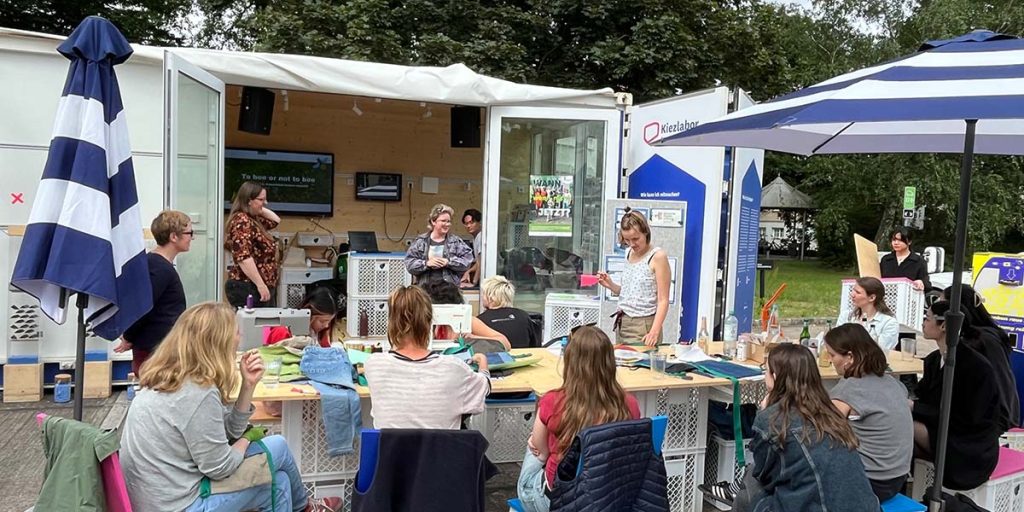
[643, 293]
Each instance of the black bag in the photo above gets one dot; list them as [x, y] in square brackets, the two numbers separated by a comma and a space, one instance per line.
[720, 419]
[237, 291]
[955, 503]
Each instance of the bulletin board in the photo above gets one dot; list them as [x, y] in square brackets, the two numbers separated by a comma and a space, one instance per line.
[668, 221]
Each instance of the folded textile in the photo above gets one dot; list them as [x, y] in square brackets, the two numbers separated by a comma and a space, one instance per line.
[290, 370]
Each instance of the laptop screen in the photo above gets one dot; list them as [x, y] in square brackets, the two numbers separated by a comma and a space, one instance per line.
[362, 241]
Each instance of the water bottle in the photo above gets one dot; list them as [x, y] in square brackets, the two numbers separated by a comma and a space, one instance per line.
[823, 358]
[62, 388]
[364, 324]
[732, 325]
[774, 328]
[742, 343]
[133, 383]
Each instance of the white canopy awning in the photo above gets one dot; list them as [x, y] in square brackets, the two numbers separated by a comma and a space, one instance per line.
[455, 84]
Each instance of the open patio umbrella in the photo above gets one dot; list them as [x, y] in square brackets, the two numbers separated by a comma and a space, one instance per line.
[961, 95]
[84, 234]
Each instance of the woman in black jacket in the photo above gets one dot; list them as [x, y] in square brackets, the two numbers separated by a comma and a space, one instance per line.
[972, 447]
[902, 262]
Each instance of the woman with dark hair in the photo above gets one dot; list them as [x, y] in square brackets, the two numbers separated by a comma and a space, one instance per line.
[870, 311]
[323, 312]
[994, 344]
[902, 262]
[805, 452]
[252, 247]
[972, 448]
[875, 405]
[444, 292]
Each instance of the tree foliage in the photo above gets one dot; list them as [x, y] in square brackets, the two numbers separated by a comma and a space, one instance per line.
[158, 22]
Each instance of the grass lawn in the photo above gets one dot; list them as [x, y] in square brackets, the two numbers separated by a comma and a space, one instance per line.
[812, 289]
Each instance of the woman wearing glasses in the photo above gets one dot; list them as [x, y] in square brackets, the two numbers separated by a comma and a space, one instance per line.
[437, 254]
[972, 448]
[252, 247]
[173, 233]
[644, 290]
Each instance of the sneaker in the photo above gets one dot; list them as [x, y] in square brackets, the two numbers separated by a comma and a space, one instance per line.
[721, 492]
[330, 504]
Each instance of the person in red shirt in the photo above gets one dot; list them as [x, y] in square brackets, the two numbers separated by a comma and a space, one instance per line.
[589, 396]
[323, 312]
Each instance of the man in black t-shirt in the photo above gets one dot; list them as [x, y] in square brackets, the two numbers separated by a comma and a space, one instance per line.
[173, 233]
[498, 294]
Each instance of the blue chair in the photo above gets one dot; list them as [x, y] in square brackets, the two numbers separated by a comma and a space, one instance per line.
[658, 426]
[901, 503]
[368, 447]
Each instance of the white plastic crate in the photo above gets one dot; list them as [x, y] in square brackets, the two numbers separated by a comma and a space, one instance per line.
[720, 461]
[376, 309]
[684, 472]
[564, 311]
[311, 456]
[292, 288]
[507, 426]
[1004, 493]
[376, 275]
[905, 302]
[1014, 439]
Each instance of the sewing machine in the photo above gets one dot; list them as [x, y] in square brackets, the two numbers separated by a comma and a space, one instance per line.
[458, 317]
[252, 321]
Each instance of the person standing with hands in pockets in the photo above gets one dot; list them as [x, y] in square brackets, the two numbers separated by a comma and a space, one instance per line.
[644, 292]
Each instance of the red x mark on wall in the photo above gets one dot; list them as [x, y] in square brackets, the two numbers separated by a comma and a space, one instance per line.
[17, 198]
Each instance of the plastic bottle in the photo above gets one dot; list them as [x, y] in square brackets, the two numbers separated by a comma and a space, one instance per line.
[774, 329]
[364, 324]
[703, 338]
[133, 383]
[805, 334]
[732, 325]
[742, 342]
[248, 302]
[62, 388]
[823, 359]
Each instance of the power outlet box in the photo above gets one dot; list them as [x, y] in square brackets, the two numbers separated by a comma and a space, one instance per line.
[315, 240]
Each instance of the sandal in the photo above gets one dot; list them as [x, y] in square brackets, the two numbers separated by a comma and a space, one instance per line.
[723, 492]
[329, 504]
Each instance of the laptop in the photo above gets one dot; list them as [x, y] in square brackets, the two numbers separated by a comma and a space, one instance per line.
[363, 242]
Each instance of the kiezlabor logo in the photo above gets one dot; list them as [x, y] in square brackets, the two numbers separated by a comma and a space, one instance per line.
[652, 132]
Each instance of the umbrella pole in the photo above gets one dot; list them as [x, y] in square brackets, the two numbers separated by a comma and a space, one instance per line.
[954, 317]
[82, 302]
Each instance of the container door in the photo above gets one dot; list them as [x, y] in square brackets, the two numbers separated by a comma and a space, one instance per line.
[194, 167]
[549, 171]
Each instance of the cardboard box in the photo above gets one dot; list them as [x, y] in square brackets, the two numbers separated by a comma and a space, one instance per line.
[23, 382]
[97, 379]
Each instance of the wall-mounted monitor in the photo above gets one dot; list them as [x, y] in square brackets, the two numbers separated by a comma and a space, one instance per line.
[297, 183]
[374, 186]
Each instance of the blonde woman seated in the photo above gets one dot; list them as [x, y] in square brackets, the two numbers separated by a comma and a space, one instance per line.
[498, 295]
[412, 387]
[177, 429]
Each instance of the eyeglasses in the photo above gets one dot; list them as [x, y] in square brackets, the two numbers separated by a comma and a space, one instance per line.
[574, 329]
[189, 233]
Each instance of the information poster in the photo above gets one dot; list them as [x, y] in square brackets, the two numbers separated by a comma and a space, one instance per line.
[551, 197]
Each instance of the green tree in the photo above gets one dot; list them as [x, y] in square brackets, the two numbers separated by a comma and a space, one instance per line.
[158, 22]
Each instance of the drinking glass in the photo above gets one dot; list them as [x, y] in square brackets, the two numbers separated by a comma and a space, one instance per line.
[272, 372]
[908, 348]
[658, 363]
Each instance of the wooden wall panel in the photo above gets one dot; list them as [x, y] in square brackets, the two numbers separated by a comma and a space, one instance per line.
[390, 136]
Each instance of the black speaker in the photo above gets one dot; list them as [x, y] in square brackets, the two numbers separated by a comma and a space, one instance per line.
[465, 127]
[257, 110]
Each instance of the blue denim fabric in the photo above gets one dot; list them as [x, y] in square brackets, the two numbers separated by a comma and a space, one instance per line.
[531, 485]
[342, 416]
[291, 494]
[805, 475]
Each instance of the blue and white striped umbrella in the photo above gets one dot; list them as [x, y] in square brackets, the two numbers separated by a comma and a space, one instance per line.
[962, 95]
[916, 104]
[84, 233]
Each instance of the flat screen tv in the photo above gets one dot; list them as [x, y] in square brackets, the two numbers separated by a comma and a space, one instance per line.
[297, 183]
[374, 186]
